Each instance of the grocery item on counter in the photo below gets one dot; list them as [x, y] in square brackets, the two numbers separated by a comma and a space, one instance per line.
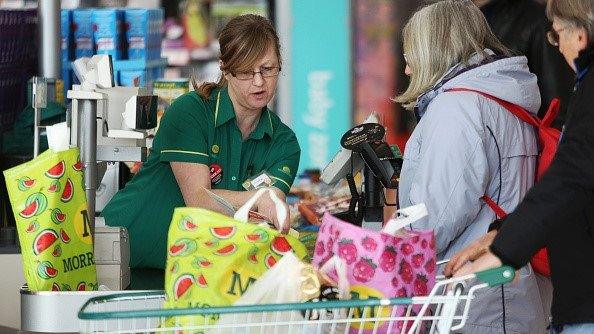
[50, 209]
[308, 239]
[310, 199]
[314, 211]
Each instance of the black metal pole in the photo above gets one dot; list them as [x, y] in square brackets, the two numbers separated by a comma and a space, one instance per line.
[373, 194]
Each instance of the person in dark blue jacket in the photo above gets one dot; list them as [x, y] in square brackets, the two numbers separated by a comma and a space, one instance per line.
[558, 212]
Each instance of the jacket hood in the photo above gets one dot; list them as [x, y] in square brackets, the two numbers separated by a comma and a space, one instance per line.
[508, 79]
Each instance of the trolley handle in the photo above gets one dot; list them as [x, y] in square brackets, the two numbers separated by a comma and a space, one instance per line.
[493, 277]
[496, 276]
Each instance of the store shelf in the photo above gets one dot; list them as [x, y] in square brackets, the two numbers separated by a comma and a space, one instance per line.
[182, 57]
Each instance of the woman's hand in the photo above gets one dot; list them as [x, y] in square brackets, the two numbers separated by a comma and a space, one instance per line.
[267, 207]
[471, 253]
[486, 261]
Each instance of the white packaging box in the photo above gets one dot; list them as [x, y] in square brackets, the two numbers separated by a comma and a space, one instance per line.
[113, 276]
[112, 257]
[112, 246]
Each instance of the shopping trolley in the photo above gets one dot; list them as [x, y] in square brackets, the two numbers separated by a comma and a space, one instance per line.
[444, 309]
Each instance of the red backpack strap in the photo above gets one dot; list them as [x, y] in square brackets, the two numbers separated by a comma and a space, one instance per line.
[552, 113]
[499, 212]
[520, 112]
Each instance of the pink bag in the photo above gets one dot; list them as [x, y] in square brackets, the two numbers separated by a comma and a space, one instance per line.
[379, 265]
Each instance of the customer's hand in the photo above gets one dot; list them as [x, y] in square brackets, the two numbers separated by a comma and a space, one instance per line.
[267, 207]
[486, 261]
[470, 253]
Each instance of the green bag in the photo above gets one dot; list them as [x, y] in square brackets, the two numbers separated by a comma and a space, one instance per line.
[50, 209]
[212, 259]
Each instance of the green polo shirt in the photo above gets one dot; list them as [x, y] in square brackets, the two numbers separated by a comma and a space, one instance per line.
[201, 131]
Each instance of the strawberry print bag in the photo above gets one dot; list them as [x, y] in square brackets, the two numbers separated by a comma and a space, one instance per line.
[379, 265]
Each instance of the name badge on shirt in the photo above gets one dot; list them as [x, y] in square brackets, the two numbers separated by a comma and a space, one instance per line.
[260, 181]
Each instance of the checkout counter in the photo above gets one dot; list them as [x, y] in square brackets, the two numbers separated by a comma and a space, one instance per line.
[110, 125]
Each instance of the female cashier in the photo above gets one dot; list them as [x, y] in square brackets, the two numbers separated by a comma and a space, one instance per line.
[214, 138]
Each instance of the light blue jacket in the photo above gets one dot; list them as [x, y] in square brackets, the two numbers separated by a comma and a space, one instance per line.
[466, 146]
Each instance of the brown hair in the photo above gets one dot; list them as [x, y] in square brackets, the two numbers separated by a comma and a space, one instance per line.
[243, 41]
[579, 13]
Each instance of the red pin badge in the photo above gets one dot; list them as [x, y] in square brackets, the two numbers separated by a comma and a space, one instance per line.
[216, 174]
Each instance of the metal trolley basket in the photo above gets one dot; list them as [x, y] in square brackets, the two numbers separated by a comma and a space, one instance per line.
[444, 309]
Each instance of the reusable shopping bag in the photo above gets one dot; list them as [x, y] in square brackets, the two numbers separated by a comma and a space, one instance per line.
[380, 265]
[50, 210]
[213, 259]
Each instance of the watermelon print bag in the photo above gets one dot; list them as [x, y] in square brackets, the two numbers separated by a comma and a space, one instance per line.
[213, 259]
[50, 209]
[379, 265]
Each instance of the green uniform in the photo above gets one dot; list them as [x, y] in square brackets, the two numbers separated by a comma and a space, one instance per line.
[199, 131]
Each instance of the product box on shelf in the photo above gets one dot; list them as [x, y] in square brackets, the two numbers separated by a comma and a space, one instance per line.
[125, 71]
[143, 32]
[83, 32]
[146, 70]
[66, 35]
[166, 91]
[109, 34]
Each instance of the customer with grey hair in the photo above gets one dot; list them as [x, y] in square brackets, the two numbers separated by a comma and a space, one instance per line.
[466, 146]
[559, 211]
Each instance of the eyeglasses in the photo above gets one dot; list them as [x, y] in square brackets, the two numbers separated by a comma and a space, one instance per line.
[265, 72]
[553, 36]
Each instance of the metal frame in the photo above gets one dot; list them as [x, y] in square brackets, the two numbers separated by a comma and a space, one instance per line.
[445, 308]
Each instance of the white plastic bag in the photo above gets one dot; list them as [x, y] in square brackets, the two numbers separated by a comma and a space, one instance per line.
[243, 213]
[289, 281]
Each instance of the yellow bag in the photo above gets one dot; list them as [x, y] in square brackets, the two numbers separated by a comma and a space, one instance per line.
[50, 208]
[212, 259]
